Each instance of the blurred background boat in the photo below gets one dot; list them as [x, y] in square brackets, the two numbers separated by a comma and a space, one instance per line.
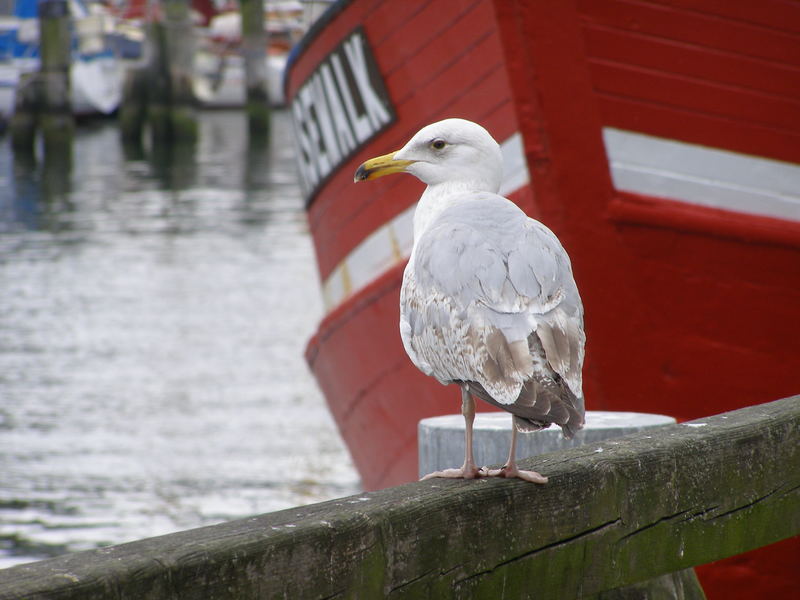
[219, 63]
[96, 70]
[108, 39]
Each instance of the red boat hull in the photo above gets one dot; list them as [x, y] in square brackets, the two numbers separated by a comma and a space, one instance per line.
[691, 308]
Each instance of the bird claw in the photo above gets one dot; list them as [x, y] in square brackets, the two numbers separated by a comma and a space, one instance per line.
[473, 473]
[513, 472]
[462, 473]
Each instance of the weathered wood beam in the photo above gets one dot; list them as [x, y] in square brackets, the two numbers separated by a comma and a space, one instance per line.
[613, 514]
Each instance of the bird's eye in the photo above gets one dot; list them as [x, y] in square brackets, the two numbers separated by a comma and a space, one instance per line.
[438, 144]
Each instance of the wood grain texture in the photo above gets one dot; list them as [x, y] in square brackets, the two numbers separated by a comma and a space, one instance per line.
[644, 506]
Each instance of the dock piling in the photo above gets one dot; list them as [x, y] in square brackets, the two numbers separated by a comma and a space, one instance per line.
[55, 119]
[158, 95]
[254, 45]
[23, 123]
[132, 115]
[43, 98]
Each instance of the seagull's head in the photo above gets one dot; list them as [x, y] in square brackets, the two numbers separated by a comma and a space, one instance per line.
[450, 151]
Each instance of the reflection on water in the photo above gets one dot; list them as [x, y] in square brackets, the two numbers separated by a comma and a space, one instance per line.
[154, 307]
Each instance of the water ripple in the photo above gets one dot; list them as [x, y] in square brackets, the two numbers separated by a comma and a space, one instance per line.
[153, 315]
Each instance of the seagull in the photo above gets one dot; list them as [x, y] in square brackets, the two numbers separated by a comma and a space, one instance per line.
[488, 300]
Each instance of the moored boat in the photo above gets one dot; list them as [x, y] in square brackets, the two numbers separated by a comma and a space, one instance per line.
[659, 139]
[96, 72]
[219, 65]
[219, 78]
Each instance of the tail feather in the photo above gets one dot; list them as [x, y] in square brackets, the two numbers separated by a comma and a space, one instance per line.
[541, 403]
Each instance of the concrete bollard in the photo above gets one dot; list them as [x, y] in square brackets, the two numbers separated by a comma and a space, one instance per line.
[441, 439]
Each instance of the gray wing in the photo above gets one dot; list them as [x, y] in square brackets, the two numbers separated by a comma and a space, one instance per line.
[488, 298]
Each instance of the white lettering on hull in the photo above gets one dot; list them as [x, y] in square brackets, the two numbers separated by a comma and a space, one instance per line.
[337, 109]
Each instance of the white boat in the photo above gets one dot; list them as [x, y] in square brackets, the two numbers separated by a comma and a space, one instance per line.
[219, 77]
[96, 73]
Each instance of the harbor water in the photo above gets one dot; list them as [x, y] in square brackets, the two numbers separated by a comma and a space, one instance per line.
[154, 309]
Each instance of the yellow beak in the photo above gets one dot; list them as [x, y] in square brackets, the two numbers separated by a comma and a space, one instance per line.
[380, 166]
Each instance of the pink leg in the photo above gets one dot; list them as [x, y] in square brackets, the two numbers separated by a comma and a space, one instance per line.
[510, 469]
[468, 470]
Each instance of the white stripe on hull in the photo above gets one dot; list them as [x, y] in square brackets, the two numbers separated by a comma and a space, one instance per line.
[703, 176]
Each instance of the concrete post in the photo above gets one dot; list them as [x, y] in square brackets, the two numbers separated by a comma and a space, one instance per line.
[441, 439]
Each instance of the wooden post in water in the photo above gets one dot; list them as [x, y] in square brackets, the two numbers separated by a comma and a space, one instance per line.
[43, 98]
[132, 115]
[254, 48]
[171, 110]
[55, 117]
[23, 122]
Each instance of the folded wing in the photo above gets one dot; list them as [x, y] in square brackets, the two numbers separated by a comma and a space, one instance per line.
[489, 299]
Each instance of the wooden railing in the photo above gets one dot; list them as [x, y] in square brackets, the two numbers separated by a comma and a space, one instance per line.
[613, 514]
